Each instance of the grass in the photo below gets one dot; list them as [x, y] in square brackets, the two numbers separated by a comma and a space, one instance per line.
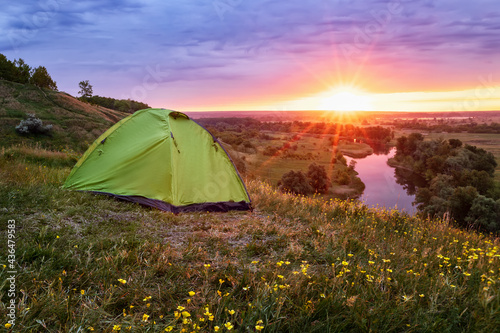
[272, 169]
[75, 124]
[295, 264]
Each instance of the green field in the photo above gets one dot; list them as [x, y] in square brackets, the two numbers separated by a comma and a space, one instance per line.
[271, 168]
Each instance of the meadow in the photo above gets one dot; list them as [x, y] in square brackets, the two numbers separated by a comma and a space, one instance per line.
[295, 264]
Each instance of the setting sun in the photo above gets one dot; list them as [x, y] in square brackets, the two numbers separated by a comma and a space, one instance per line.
[346, 100]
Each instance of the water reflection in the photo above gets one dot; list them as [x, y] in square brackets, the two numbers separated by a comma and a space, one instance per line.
[385, 186]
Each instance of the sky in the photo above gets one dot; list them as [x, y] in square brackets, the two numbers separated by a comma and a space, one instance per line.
[210, 55]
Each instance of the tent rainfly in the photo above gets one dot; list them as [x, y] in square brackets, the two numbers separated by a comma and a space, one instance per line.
[164, 159]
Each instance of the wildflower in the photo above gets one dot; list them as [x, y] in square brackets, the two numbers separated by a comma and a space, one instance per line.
[147, 298]
[186, 314]
[345, 263]
[322, 295]
[255, 262]
[57, 236]
[229, 326]
[145, 317]
[180, 308]
[90, 328]
[259, 327]
[281, 276]
[421, 295]
[177, 314]
[386, 260]
[206, 265]
[192, 293]
[148, 305]
[231, 312]
[122, 281]
[117, 328]
[350, 255]
[82, 292]
[169, 328]
[371, 262]
[287, 263]
[8, 325]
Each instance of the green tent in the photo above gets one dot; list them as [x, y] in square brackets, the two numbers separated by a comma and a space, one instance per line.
[164, 159]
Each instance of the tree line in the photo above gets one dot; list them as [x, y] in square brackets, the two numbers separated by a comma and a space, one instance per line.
[459, 180]
[19, 71]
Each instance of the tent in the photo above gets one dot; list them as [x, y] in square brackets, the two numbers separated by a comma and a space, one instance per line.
[164, 159]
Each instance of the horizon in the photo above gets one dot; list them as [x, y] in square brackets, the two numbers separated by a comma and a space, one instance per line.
[338, 55]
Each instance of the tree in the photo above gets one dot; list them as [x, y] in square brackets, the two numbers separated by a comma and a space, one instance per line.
[485, 213]
[295, 182]
[85, 89]
[23, 71]
[41, 78]
[318, 178]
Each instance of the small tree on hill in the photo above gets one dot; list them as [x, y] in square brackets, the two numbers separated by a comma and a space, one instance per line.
[295, 182]
[41, 78]
[318, 178]
[85, 89]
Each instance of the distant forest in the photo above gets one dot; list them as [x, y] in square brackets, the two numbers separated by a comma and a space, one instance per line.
[469, 127]
[124, 105]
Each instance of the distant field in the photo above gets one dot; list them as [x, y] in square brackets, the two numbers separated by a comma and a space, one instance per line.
[271, 168]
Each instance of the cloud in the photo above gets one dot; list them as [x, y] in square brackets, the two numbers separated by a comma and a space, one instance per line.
[236, 43]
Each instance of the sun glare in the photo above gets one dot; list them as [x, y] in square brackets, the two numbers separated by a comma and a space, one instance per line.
[346, 101]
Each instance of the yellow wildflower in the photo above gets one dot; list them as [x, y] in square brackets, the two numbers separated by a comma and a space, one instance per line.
[229, 326]
[122, 281]
[186, 314]
[82, 292]
[145, 317]
[216, 329]
[117, 328]
[192, 293]
[231, 312]
[169, 328]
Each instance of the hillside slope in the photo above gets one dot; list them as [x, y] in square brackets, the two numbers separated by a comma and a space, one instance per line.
[75, 124]
[294, 264]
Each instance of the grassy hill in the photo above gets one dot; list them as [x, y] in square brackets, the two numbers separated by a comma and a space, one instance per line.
[88, 263]
[294, 264]
[75, 124]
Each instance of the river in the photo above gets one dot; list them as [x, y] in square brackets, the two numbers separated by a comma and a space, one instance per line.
[382, 190]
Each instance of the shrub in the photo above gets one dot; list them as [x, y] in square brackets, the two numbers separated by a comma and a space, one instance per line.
[33, 125]
[318, 178]
[295, 182]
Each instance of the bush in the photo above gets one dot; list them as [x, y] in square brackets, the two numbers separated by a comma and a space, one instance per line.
[295, 182]
[33, 125]
[318, 178]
